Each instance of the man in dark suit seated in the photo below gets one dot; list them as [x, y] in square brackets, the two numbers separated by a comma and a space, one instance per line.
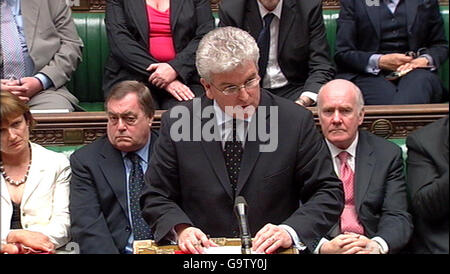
[375, 217]
[297, 62]
[107, 175]
[376, 38]
[428, 183]
[223, 152]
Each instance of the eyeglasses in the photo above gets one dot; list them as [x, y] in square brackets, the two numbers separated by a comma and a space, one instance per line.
[233, 90]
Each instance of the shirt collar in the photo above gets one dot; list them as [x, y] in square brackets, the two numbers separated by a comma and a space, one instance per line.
[277, 11]
[351, 149]
[143, 152]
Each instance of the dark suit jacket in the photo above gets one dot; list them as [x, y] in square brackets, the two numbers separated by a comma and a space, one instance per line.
[127, 28]
[303, 52]
[428, 183]
[187, 181]
[98, 198]
[380, 191]
[358, 33]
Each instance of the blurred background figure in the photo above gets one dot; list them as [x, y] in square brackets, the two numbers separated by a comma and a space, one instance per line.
[40, 51]
[373, 41]
[154, 42]
[427, 166]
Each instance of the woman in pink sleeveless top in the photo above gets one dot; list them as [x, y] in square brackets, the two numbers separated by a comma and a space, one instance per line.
[154, 41]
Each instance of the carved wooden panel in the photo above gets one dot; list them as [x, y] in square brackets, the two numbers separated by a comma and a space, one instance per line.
[79, 128]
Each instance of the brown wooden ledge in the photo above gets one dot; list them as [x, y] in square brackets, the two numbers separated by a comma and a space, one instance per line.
[79, 128]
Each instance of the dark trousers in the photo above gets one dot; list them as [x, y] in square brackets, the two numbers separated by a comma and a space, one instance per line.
[420, 86]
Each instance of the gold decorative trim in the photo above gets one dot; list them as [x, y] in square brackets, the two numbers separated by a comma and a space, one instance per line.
[150, 247]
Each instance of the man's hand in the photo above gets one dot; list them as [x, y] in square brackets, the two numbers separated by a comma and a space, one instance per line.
[162, 75]
[350, 243]
[304, 101]
[192, 240]
[393, 61]
[24, 88]
[270, 238]
[420, 62]
[180, 91]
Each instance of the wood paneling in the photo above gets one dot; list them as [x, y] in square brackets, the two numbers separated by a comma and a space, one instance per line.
[84, 127]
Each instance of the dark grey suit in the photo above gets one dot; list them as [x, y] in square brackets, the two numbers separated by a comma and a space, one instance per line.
[98, 198]
[380, 191]
[187, 181]
[428, 183]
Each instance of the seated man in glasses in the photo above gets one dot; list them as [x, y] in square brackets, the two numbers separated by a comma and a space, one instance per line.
[391, 49]
[219, 149]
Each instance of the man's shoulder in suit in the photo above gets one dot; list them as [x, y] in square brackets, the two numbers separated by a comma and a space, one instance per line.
[88, 151]
[379, 144]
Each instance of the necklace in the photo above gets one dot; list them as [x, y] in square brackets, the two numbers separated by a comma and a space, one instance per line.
[9, 179]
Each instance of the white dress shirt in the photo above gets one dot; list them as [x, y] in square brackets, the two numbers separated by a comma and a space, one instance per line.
[274, 77]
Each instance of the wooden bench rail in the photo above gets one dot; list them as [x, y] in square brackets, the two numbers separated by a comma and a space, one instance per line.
[79, 128]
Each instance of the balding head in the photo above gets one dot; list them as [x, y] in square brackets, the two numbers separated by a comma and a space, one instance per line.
[341, 86]
[341, 112]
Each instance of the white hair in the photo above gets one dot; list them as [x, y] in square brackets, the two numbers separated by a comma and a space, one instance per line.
[223, 49]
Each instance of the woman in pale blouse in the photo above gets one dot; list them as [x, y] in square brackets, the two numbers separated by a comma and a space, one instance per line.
[34, 185]
[154, 41]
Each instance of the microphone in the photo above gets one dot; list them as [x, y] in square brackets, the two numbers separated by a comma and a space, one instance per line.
[240, 209]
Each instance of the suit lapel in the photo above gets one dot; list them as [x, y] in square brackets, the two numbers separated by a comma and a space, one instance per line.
[138, 11]
[35, 174]
[113, 169]
[411, 12]
[253, 22]
[175, 9]
[374, 15]
[364, 167]
[30, 13]
[288, 14]
[213, 149]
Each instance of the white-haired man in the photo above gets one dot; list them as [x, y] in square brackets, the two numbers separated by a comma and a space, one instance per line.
[192, 185]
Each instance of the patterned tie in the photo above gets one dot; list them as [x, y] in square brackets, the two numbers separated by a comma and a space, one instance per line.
[233, 154]
[264, 44]
[141, 230]
[349, 219]
[13, 59]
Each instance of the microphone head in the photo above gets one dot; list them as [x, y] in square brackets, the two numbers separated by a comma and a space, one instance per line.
[240, 200]
[240, 205]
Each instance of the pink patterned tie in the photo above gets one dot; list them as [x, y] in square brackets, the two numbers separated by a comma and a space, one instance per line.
[13, 60]
[349, 219]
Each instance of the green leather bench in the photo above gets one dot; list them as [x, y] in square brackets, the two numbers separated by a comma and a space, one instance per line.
[86, 82]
